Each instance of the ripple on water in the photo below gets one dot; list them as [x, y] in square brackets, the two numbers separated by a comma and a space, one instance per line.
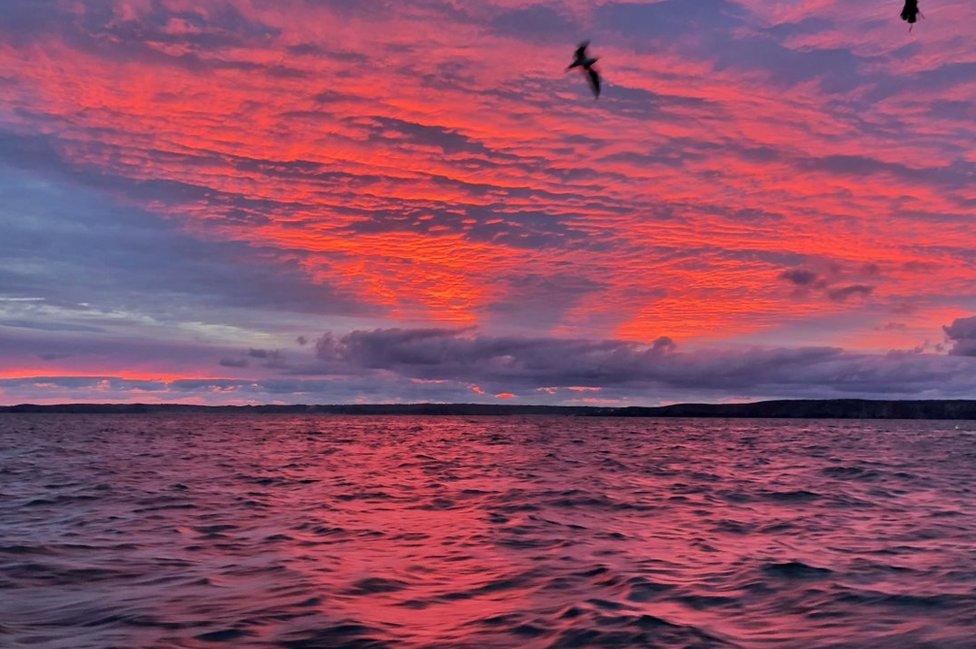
[327, 531]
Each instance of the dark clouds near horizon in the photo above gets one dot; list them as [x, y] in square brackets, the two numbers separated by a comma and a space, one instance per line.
[528, 364]
[442, 364]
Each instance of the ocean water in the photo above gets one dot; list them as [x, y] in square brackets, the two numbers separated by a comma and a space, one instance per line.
[330, 531]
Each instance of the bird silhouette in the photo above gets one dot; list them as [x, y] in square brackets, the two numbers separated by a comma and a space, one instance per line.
[582, 61]
[910, 13]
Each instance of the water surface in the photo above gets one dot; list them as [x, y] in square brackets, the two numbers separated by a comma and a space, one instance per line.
[332, 531]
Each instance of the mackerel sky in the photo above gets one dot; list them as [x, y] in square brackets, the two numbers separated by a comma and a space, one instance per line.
[308, 201]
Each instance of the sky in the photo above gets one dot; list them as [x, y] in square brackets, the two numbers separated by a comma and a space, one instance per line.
[304, 201]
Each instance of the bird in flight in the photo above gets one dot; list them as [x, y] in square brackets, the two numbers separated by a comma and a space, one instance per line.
[582, 61]
[910, 13]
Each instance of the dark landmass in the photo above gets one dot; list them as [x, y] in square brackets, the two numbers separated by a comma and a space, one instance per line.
[785, 409]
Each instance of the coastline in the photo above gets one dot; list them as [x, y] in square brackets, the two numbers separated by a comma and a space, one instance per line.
[962, 409]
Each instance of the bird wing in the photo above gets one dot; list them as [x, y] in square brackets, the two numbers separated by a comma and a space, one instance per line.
[581, 50]
[594, 78]
[910, 12]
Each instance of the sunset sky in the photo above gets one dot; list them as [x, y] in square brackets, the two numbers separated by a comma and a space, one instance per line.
[308, 201]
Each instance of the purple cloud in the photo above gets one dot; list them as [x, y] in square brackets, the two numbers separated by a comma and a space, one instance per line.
[800, 276]
[843, 293]
[642, 370]
[459, 365]
[962, 333]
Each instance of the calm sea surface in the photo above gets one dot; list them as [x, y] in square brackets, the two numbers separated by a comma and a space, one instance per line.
[327, 531]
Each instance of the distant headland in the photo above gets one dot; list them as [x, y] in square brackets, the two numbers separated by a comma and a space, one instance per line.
[780, 409]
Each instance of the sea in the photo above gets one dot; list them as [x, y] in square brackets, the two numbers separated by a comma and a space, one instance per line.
[294, 531]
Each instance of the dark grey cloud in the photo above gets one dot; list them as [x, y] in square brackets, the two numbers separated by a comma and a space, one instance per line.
[844, 293]
[460, 355]
[270, 358]
[649, 371]
[833, 281]
[962, 334]
[254, 357]
[664, 345]
[801, 276]
[448, 140]
[386, 365]
[234, 362]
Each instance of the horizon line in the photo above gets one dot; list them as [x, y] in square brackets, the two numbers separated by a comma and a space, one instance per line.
[930, 409]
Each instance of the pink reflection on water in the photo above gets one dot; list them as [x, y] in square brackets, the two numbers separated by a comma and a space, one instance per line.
[536, 532]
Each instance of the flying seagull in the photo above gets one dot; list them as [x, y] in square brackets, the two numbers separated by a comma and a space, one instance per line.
[910, 13]
[585, 63]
